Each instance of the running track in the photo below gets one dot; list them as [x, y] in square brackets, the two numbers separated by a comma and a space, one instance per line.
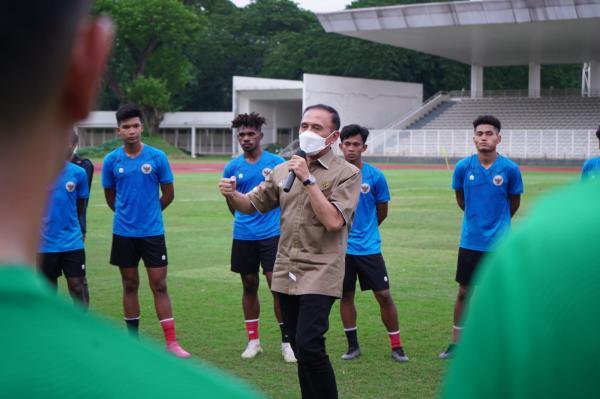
[194, 167]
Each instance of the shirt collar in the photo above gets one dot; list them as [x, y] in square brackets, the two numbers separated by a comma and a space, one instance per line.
[325, 159]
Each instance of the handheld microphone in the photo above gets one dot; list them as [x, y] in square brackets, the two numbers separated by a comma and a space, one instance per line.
[287, 186]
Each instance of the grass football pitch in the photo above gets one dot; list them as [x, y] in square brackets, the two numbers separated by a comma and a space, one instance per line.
[420, 240]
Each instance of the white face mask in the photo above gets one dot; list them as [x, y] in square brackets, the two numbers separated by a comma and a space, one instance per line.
[311, 143]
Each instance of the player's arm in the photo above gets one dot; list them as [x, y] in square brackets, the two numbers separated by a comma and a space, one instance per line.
[110, 195]
[382, 212]
[168, 195]
[81, 208]
[460, 199]
[231, 208]
[515, 202]
[236, 200]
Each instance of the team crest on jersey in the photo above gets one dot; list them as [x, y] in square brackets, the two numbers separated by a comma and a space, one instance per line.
[121, 170]
[365, 188]
[70, 186]
[266, 172]
[471, 177]
[498, 180]
[146, 168]
[241, 176]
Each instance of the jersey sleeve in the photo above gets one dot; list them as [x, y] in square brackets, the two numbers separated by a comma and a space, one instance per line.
[381, 191]
[229, 170]
[515, 183]
[458, 177]
[83, 191]
[165, 175]
[108, 178]
[586, 169]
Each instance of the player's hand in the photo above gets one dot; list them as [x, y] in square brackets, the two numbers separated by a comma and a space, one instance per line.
[227, 186]
[299, 167]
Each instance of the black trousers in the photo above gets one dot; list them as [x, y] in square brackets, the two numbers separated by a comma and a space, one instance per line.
[307, 320]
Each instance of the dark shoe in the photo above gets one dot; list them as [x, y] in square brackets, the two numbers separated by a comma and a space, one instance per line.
[352, 353]
[448, 353]
[399, 355]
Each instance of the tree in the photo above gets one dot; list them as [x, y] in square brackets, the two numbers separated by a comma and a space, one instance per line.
[152, 60]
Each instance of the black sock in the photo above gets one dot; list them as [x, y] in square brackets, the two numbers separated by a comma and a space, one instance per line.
[285, 338]
[352, 337]
[133, 325]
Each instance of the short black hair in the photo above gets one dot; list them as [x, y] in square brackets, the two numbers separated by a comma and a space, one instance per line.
[335, 117]
[598, 133]
[128, 111]
[487, 120]
[36, 38]
[353, 130]
[252, 119]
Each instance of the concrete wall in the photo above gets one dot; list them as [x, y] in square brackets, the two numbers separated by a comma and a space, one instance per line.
[371, 103]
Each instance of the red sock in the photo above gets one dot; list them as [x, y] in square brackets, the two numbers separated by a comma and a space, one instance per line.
[168, 326]
[252, 329]
[395, 339]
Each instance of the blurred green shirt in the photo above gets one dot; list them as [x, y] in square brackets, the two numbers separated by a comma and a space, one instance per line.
[54, 349]
[533, 324]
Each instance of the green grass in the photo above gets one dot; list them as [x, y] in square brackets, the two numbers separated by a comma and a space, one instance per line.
[420, 240]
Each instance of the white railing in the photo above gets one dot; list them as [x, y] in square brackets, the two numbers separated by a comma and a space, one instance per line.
[530, 144]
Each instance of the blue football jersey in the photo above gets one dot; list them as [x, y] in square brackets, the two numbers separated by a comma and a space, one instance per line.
[487, 203]
[137, 182]
[249, 175]
[591, 168]
[61, 230]
[364, 238]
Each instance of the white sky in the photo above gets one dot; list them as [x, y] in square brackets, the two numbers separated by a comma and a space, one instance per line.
[312, 5]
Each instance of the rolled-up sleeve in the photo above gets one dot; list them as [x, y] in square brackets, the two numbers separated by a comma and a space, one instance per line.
[265, 196]
[345, 196]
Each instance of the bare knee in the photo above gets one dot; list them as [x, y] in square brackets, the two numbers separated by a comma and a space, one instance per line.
[384, 297]
[462, 293]
[130, 285]
[159, 286]
[250, 283]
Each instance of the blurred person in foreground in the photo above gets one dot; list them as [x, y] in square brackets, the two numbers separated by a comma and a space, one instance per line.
[55, 56]
[533, 324]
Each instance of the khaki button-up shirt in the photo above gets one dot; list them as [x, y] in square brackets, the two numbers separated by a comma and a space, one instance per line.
[310, 260]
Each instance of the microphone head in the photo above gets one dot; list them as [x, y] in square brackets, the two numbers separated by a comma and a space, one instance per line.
[301, 153]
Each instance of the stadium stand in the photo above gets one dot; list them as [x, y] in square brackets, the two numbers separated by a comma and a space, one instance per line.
[515, 113]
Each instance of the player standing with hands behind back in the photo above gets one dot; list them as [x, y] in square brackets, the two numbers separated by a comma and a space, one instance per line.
[363, 258]
[131, 176]
[488, 189]
[255, 236]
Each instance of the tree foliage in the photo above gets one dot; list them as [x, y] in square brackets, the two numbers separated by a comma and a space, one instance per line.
[182, 54]
[152, 61]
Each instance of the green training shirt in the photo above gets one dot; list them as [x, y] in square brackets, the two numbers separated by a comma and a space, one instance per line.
[53, 349]
[533, 324]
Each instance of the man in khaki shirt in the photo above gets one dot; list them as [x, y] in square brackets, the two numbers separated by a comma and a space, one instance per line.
[316, 216]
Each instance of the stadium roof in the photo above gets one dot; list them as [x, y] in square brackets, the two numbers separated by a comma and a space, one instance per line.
[486, 33]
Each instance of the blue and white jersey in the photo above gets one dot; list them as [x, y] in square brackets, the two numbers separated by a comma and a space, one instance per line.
[136, 182]
[61, 231]
[591, 169]
[487, 203]
[364, 238]
[249, 175]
